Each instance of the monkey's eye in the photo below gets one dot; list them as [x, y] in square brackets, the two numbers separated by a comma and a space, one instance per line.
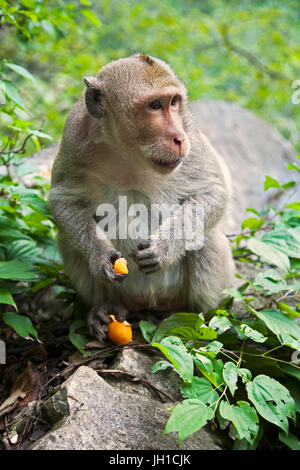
[154, 104]
[175, 100]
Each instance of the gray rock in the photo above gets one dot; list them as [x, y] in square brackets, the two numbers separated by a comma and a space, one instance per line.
[139, 363]
[102, 417]
[252, 148]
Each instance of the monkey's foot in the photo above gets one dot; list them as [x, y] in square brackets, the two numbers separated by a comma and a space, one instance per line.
[98, 319]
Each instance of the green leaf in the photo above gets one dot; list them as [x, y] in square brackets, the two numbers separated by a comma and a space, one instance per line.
[12, 93]
[285, 328]
[272, 401]
[20, 70]
[230, 375]
[271, 183]
[200, 388]
[287, 309]
[270, 281]
[220, 324]
[147, 329]
[269, 253]
[175, 321]
[21, 324]
[175, 351]
[292, 166]
[6, 298]
[16, 269]
[91, 17]
[248, 332]
[252, 223]
[188, 417]
[161, 365]
[206, 334]
[243, 418]
[290, 440]
[245, 374]
[77, 339]
[210, 368]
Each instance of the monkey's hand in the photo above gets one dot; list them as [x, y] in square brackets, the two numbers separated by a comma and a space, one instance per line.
[156, 253]
[102, 266]
[98, 319]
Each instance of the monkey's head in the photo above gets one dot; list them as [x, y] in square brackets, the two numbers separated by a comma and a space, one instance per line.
[140, 102]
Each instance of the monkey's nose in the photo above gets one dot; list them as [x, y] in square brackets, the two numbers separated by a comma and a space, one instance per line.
[179, 143]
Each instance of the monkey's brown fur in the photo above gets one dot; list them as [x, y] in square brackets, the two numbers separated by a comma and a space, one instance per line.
[131, 134]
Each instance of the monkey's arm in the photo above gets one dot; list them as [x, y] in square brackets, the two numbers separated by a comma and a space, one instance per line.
[76, 225]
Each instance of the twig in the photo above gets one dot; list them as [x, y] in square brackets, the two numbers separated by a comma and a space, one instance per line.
[251, 57]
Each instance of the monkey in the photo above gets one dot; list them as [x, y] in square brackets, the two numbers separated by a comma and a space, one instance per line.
[131, 134]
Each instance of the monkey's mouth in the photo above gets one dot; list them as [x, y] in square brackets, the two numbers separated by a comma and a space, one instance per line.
[167, 164]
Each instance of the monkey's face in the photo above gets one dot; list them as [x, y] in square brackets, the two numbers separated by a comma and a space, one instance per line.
[162, 140]
[140, 102]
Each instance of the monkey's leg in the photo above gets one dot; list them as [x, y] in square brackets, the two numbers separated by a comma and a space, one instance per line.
[98, 320]
[209, 271]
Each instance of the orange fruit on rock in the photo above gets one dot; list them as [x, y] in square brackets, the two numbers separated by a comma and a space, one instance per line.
[119, 333]
[120, 266]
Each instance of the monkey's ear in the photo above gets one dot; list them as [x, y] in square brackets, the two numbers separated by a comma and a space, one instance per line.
[93, 96]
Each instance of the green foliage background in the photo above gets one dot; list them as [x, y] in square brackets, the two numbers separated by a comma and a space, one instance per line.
[242, 51]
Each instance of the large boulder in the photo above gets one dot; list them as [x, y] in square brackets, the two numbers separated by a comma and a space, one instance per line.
[101, 417]
[252, 148]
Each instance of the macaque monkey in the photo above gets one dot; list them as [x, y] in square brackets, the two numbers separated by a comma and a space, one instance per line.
[132, 135]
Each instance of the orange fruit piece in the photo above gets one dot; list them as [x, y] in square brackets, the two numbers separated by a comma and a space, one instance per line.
[119, 333]
[120, 266]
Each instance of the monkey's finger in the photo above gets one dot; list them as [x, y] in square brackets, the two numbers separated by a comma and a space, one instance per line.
[114, 256]
[144, 254]
[148, 261]
[144, 244]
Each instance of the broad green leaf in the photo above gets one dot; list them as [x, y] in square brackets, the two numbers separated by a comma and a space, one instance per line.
[16, 269]
[20, 70]
[271, 183]
[271, 281]
[188, 417]
[235, 293]
[285, 328]
[252, 223]
[206, 334]
[269, 253]
[175, 351]
[21, 324]
[12, 93]
[40, 134]
[211, 368]
[230, 375]
[147, 329]
[292, 441]
[200, 388]
[175, 321]
[272, 401]
[212, 348]
[220, 324]
[7, 298]
[245, 374]
[78, 339]
[248, 332]
[243, 418]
